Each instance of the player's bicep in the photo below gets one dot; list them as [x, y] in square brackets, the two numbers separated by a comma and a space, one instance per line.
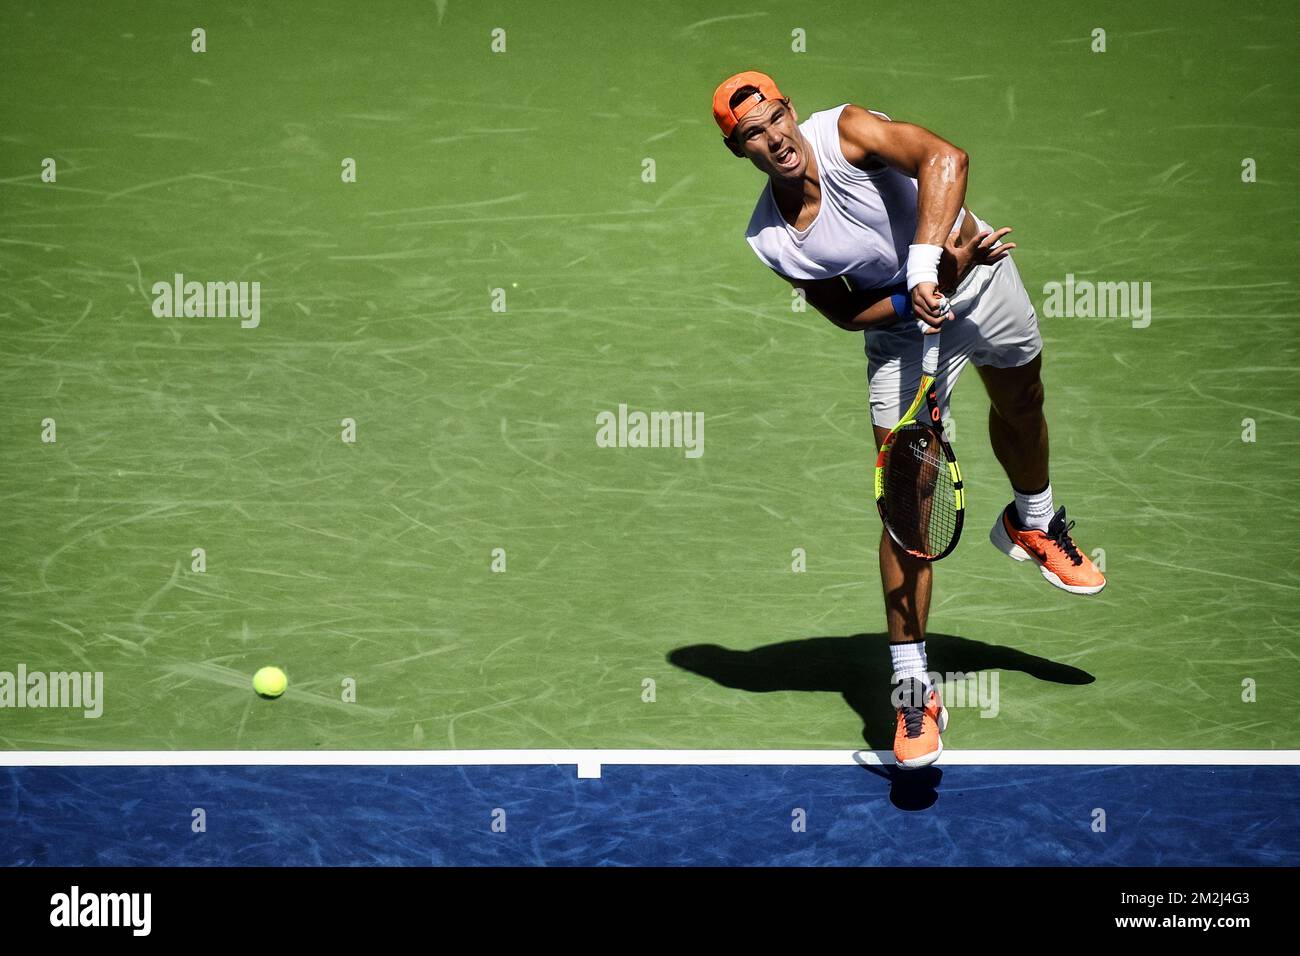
[830, 297]
[869, 141]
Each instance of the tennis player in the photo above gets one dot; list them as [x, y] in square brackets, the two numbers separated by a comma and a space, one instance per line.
[866, 215]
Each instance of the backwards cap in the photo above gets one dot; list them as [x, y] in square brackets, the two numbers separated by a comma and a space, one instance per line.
[725, 114]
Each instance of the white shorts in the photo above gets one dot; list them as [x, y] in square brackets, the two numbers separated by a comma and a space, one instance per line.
[994, 324]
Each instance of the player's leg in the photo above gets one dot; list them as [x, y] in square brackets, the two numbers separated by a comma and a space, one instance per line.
[920, 714]
[906, 581]
[1017, 425]
[1010, 363]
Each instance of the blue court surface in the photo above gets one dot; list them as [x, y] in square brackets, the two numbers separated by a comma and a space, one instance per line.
[649, 815]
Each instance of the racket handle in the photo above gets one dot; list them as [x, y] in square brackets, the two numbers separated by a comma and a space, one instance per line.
[930, 357]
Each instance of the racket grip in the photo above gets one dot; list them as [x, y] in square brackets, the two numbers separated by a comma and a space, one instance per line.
[930, 357]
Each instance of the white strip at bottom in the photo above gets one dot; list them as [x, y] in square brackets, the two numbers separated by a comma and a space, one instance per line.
[589, 762]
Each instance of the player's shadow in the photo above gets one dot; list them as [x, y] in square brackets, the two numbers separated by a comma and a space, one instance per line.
[858, 667]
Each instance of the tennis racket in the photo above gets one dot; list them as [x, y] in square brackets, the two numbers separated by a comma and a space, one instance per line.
[918, 485]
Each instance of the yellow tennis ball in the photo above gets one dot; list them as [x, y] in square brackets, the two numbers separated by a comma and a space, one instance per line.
[270, 682]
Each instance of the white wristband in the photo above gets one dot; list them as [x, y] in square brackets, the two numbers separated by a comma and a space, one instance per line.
[922, 264]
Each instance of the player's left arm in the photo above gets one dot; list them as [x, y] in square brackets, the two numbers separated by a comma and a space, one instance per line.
[939, 169]
[858, 309]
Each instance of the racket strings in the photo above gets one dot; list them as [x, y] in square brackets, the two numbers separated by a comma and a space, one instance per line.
[919, 494]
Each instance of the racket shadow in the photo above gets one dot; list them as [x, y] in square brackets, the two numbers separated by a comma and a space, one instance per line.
[858, 668]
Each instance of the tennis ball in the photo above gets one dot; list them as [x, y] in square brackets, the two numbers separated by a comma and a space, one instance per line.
[270, 682]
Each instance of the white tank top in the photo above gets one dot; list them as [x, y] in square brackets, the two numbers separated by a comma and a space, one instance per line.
[864, 226]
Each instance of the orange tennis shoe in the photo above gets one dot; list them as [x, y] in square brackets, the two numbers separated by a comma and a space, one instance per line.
[921, 718]
[1054, 551]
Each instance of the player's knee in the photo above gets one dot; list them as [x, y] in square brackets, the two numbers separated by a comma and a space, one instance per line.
[1025, 403]
[1033, 396]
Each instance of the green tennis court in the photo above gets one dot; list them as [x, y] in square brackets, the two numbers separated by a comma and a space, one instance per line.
[501, 272]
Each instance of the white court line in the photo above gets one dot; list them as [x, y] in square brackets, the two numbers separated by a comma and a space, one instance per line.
[589, 762]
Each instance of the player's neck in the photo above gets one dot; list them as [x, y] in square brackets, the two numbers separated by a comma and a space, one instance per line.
[794, 195]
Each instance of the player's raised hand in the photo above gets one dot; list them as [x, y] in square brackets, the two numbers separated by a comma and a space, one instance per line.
[985, 249]
[982, 250]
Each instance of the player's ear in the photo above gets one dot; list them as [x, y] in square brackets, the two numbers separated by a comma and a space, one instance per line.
[731, 145]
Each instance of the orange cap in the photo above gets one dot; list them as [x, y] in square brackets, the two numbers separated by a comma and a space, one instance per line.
[728, 117]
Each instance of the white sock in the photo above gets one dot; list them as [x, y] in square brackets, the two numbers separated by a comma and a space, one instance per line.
[1035, 510]
[909, 661]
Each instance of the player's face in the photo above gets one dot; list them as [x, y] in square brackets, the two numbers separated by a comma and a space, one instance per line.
[769, 137]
